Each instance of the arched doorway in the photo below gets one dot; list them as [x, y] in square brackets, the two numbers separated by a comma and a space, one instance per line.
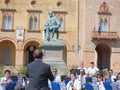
[28, 52]
[103, 56]
[7, 53]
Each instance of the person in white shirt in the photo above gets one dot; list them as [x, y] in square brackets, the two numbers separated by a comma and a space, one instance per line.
[5, 80]
[73, 84]
[91, 71]
[111, 76]
[20, 81]
[100, 82]
[81, 66]
[56, 75]
[82, 78]
[57, 78]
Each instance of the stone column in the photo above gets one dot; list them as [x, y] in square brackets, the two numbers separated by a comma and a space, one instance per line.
[19, 59]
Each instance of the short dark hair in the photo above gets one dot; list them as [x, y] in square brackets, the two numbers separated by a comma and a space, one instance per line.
[38, 53]
[92, 63]
[100, 76]
[111, 70]
[73, 72]
[119, 73]
[7, 71]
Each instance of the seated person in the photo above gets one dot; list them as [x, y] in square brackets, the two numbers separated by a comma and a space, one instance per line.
[118, 81]
[73, 84]
[56, 75]
[91, 71]
[81, 66]
[20, 82]
[100, 82]
[82, 77]
[5, 81]
[111, 76]
[67, 78]
[57, 80]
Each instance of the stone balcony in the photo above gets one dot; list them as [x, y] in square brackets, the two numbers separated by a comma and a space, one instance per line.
[104, 35]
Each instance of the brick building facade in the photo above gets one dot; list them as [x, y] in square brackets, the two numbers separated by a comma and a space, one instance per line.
[90, 30]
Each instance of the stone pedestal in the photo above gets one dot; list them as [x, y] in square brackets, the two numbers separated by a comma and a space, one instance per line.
[53, 55]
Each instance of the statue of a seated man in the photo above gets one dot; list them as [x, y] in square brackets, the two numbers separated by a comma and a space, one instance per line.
[52, 25]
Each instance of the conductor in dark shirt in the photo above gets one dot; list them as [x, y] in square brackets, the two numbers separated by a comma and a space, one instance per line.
[38, 73]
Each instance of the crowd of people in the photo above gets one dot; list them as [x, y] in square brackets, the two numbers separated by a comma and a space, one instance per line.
[13, 81]
[90, 78]
[93, 79]
[43, 78]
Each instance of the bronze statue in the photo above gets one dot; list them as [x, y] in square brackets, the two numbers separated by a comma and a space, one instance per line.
[52, 25]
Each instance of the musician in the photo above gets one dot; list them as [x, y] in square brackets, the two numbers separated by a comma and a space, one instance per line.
[74, 83]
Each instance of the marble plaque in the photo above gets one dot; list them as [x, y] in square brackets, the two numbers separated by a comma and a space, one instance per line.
[53, 54]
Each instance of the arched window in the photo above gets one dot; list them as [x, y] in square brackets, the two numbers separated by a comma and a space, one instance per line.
[34, 20]
[7, 22]
[104, 17]
[6, 53]
[33, 23]
[103, 25]
[8, 19]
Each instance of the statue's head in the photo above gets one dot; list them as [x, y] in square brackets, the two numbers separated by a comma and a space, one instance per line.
[50, 13]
